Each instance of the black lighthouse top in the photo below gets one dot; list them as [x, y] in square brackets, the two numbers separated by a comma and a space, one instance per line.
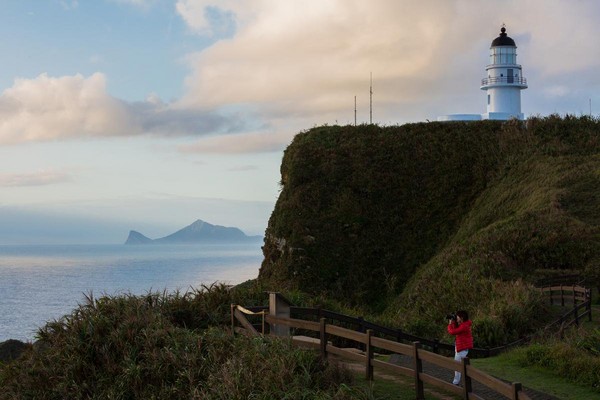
[503, 39]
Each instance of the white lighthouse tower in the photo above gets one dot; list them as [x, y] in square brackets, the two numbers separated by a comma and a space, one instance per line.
[504, 80]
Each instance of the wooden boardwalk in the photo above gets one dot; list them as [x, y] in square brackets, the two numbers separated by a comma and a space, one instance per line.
[478, 388]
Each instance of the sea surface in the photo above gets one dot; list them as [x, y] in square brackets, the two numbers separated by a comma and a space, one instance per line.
[42, 283]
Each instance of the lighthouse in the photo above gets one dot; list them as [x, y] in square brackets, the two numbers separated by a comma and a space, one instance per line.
[504, 80]
[503, 83]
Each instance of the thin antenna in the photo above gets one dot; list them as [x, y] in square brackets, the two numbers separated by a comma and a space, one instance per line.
[590, 106]
[354, 110]
[371, 101]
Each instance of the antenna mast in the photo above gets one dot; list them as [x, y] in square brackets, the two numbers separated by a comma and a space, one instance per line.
[354, 110]
[371, 100]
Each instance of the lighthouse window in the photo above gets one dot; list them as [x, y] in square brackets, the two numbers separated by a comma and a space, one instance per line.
[488, 99]
[503, 55]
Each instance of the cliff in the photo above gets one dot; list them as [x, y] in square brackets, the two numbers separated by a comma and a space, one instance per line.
[408, 215]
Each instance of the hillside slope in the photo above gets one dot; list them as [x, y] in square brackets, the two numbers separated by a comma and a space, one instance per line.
[411, 214]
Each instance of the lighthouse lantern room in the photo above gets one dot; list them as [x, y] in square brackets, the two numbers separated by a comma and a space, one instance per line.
[504, 80]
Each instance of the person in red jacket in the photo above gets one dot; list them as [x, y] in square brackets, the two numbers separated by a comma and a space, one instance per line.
[461, 328]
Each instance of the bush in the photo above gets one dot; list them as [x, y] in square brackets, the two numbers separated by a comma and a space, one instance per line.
[127, 347]
[575, 358]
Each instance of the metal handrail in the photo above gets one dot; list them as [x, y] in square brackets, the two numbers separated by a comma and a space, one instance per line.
[519, 80]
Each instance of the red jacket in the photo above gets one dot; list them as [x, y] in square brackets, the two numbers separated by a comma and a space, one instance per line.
[464, 339]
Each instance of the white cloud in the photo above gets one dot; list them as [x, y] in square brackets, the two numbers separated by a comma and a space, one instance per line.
[137, 3]
[41, 178]
[240, 143]
[195, 12]
[48, 108]
[69, 5]
[305, 61]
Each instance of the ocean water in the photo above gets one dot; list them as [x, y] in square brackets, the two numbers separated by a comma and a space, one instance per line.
[42, 283]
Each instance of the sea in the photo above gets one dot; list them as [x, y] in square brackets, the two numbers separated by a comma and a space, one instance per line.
[41, 283]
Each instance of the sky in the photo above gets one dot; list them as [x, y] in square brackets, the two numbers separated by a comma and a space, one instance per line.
[150, 114]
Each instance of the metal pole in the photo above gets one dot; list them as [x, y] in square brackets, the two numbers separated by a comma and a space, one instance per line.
[371, 100]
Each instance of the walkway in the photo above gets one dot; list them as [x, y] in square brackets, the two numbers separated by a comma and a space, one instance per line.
[478, 388]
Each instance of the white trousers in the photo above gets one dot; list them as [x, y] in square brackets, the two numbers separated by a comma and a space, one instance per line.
[458, 357]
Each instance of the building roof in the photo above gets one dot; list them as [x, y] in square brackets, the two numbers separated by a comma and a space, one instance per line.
[503, 39]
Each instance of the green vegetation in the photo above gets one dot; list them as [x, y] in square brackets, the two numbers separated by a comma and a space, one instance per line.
[411, 222]
[149, 347]
[568, 368]
[399, 224]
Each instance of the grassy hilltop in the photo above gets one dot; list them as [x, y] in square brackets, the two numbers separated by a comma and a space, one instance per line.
[421, 219]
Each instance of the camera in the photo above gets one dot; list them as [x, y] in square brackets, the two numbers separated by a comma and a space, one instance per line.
[451, 316]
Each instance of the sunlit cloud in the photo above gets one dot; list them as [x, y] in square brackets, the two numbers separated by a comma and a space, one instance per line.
[305, 61]
[239, 144]
[48, 108]
[41, 178]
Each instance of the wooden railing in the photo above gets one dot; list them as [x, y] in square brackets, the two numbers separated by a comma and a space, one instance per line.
[369, 336]
[579, 297]
[370, 342]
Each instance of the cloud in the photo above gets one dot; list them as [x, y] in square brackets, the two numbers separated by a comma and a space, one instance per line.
[41, 178]
[48, 108]
[305, 61]
[242, 168]
[240, 143]
[69, 5]
[137, 3]
[206, 17]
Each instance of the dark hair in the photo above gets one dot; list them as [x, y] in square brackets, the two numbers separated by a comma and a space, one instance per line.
[463, 314]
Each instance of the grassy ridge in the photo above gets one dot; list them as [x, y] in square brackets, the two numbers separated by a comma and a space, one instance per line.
[422, 219]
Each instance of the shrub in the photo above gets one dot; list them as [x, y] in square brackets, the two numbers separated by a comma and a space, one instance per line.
[127, 347]
[574, 358]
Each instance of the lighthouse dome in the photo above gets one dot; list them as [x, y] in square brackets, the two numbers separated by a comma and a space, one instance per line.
[503, 39]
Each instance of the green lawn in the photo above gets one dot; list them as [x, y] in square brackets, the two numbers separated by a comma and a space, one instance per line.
[506, 367]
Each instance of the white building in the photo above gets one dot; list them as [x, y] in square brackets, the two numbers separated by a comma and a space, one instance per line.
[503, 83]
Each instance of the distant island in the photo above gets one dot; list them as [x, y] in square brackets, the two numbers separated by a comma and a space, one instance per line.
[198, 232]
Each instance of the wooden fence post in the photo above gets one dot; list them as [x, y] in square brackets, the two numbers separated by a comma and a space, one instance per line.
[418, 367]
[574, 297]
[562, 297]
[516, 388]
[369, 354]
[323, 336]
[467, 386]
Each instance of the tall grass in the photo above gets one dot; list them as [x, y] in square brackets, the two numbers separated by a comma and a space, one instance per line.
[155, 347]
[575, 357]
